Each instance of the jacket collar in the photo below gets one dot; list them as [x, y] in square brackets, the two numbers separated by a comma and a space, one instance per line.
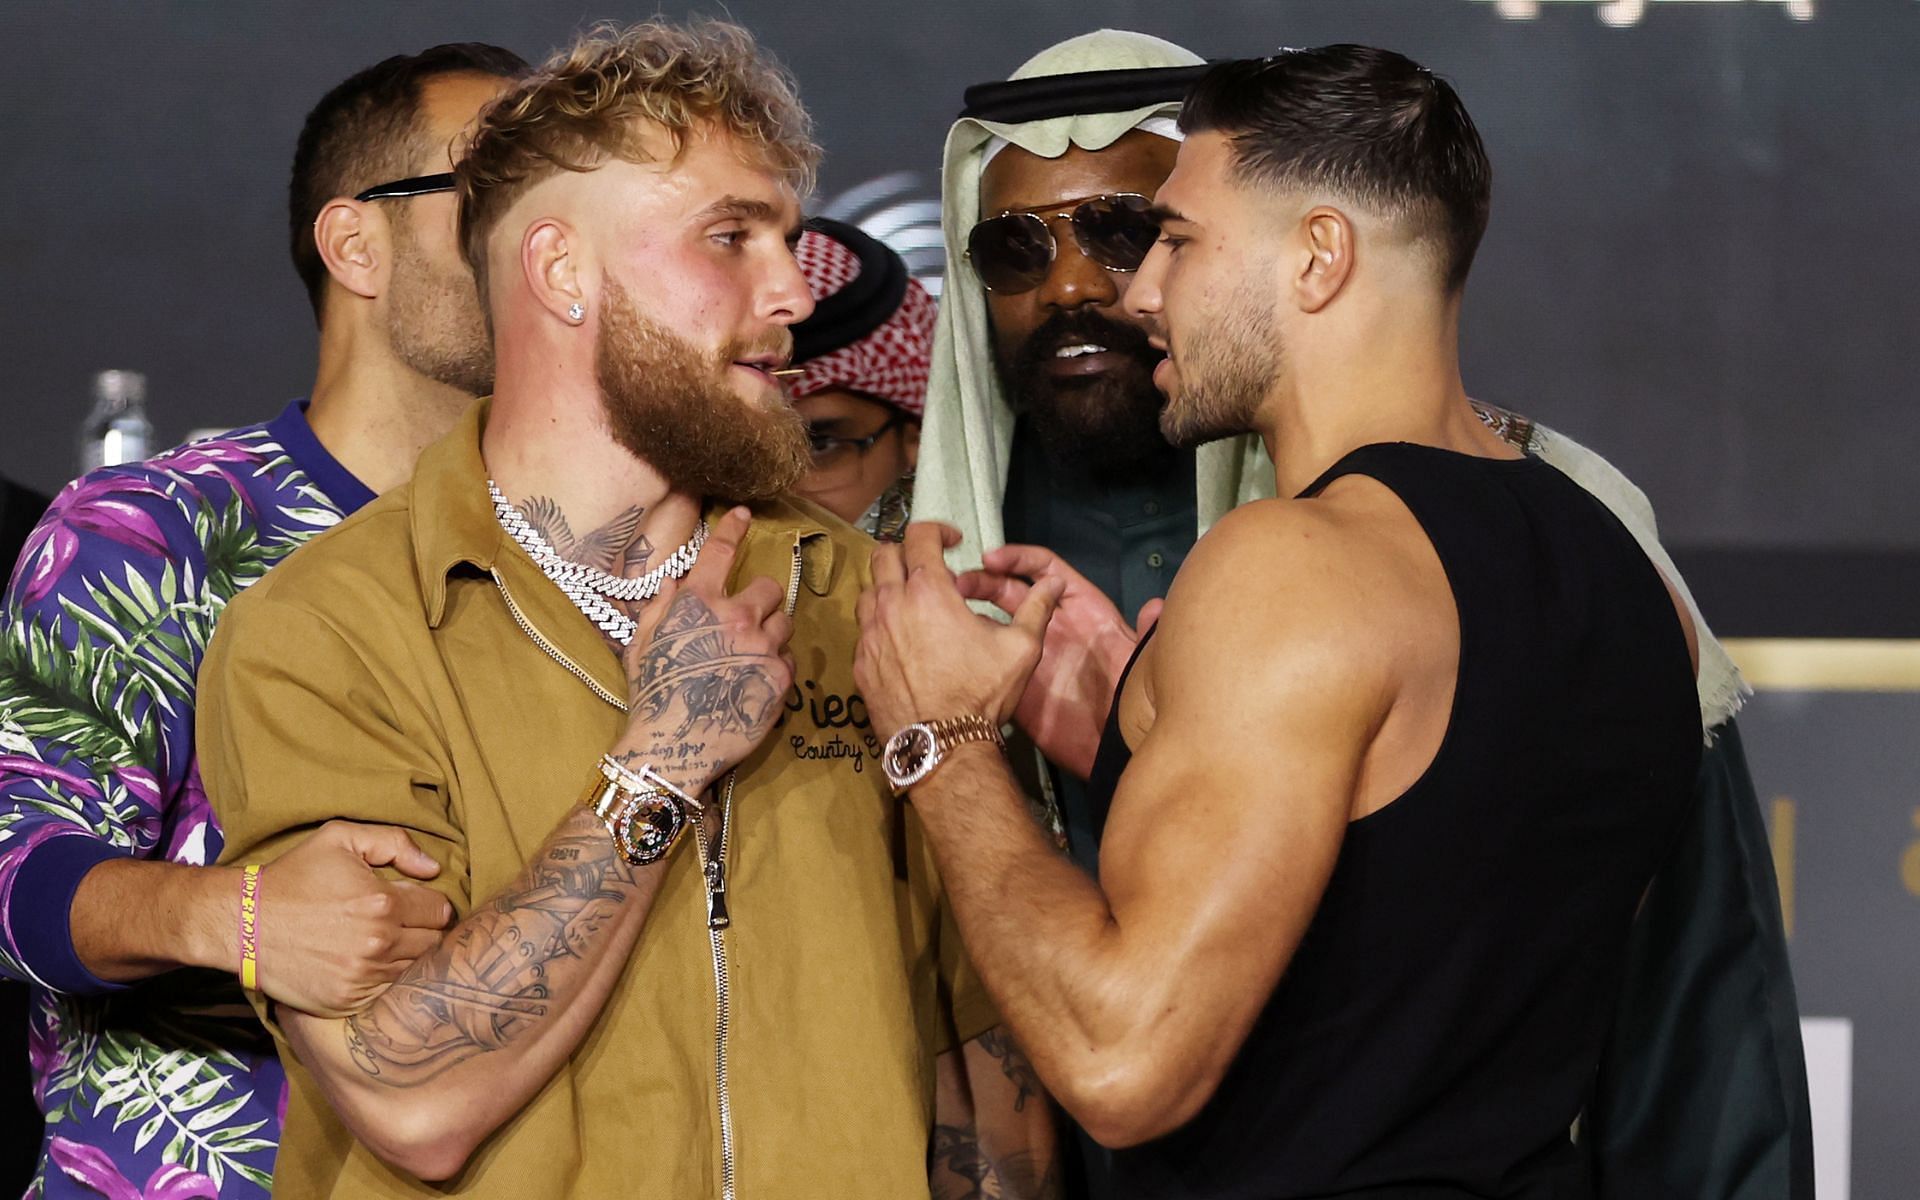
[453, 525]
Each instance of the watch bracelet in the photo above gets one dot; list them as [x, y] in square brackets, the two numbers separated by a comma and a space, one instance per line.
[628, 780]
[973, 727]
[614, 785]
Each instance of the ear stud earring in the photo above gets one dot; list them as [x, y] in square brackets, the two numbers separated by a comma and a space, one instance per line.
[577, 312]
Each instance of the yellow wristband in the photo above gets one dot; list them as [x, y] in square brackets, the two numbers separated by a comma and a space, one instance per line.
[249, 941]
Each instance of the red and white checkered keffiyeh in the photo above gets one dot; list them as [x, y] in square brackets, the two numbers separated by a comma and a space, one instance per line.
[891, 363]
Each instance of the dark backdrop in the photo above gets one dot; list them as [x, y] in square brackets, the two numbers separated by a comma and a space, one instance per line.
[1701, 262]
[1701, 258]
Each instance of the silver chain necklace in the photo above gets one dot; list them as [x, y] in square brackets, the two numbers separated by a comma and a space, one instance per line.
[590, 588]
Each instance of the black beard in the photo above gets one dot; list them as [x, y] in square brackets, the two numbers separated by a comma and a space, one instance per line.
[1106, 426]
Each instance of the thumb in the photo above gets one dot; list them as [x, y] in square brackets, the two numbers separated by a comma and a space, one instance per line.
[1149, 613]
[1037, 609]
[387, 846]
[649, 617]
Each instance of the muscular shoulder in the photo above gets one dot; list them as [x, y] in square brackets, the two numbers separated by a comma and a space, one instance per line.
[1291, 564]
[195, 506]
[1337, 588]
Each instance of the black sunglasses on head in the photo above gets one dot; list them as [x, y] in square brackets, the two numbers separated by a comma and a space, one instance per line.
[1013, 251]
[417, 185]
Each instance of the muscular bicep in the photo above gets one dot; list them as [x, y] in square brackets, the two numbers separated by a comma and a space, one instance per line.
[1227, 822]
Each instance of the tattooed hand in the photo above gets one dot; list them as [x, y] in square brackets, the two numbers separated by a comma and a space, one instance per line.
[707, 673]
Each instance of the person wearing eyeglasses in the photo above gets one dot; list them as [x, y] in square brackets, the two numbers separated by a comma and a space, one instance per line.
[154, 1075]
[862, 357]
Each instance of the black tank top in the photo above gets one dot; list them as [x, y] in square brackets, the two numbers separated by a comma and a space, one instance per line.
[1437, 1029]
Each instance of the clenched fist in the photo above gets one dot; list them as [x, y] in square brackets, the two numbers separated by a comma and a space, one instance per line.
[332, 932]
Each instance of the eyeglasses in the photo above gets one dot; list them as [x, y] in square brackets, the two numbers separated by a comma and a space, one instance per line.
[418, 185]
[830, 450]
[1013, 251]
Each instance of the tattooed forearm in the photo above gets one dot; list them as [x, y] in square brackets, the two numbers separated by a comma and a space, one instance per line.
[1013, 1064]
[664, 757]
[503, 970]
[958, 1169]
[1023, 1177]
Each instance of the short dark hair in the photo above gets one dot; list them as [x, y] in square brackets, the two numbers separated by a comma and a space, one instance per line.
[365, 131]
[1366, 123]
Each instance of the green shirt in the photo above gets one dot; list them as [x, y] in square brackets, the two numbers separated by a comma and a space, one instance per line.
[1128, 539]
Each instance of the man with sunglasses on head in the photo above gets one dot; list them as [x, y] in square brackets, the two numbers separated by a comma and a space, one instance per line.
[862, 360]
[153, 1074]
[1041, 242]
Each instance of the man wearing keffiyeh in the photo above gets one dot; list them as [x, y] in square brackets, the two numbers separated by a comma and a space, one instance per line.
[863, 358]
[1037, 388]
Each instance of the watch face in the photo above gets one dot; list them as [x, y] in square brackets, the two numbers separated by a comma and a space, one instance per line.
[647, 825]
[909, 756]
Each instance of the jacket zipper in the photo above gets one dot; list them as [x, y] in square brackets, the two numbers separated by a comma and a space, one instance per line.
[718, 917]
[579, 672]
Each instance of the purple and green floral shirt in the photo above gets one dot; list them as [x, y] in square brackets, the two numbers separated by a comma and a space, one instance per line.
[168, 1088]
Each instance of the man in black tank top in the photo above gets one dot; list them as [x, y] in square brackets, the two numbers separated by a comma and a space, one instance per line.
[1392, 774]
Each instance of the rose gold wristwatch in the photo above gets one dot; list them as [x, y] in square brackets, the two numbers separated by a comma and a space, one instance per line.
[912, 754]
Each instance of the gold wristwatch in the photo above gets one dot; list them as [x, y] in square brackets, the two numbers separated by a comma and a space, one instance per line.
[645, 814]
[912, 754]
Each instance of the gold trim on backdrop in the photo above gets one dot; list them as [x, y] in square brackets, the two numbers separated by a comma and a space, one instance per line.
[1828, 664]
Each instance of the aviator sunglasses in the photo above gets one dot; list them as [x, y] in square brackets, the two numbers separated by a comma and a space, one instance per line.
[1013, 251]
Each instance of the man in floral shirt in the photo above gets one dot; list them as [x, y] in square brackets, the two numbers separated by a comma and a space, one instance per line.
[155, 1077]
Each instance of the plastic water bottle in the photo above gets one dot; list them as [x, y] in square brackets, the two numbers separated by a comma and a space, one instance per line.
[117, 430]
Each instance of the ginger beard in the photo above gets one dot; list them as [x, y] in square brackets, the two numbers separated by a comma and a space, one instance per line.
[674, 407]
[1224, 369]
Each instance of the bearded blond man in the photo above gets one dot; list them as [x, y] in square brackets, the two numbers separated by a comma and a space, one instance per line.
[601, 668]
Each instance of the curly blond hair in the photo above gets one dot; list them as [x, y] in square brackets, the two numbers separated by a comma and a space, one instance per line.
[599, 99]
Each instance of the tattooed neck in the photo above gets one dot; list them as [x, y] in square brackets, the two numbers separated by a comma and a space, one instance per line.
[617, 547]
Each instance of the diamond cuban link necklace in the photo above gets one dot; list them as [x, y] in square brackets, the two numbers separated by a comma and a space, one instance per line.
[589, 587]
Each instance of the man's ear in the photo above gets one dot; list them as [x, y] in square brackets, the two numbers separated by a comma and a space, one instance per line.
[553, 259]
[1326, 236]
[355, 243]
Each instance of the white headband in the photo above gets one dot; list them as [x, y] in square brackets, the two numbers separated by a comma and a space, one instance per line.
[1160, 126]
